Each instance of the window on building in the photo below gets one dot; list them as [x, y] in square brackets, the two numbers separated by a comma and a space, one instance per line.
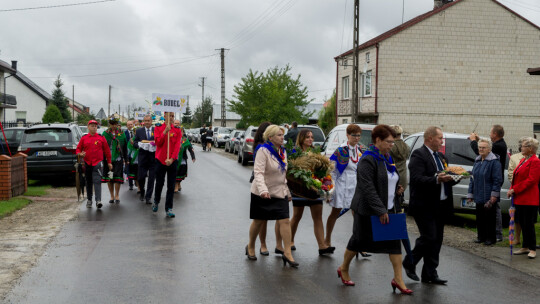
[20, 116]
[345, 87]
[367, 57]
[345, 63]
[345, 120]
[366, 83]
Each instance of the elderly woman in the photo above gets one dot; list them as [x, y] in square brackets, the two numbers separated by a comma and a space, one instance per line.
[270, 195]
[304, 142]
[376, 192]
[485, 188]
[512, 164]
[346, 158]
[524, 190]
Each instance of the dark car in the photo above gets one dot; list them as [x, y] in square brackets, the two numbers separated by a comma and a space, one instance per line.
[50, 149]
[13, 136]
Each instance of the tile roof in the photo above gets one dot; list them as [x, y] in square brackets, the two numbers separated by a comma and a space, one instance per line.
[6, 67]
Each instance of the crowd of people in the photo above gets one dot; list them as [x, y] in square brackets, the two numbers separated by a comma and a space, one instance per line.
[370, 181]
[149, 155]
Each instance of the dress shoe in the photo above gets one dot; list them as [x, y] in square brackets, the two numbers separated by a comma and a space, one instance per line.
[395, 285]
[141, 197]
[265, 253]
[250, 257]
[326, 250]
[291, 263]
[293, 247]
[532, 254]
[130, 187]
[148, 202]
[345, 282]
[435, 280]
[410, 272]
[277, 251]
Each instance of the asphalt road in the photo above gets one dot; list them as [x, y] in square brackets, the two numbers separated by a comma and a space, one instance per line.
[127, 254]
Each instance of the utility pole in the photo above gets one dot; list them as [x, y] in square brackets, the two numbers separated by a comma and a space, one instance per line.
[202, 101]
[354, 101]
[109, 110]
[73, 98]
[223, 87]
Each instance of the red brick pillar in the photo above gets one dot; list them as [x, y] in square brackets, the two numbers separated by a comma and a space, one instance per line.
[5, 177]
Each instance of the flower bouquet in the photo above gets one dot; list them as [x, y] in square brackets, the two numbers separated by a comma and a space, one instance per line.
[308, 175]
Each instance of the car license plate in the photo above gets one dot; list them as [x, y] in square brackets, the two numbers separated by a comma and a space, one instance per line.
[468, 205]
[46, 153]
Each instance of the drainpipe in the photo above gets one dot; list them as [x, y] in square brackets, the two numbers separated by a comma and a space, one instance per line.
[377, 81]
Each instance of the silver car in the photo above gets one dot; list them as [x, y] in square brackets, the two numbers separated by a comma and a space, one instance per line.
[457, 148]
[245, 154]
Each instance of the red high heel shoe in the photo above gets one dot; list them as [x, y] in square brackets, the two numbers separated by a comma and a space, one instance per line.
[346, 283]
[395, 285]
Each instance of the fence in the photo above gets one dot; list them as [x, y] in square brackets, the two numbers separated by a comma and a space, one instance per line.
[13, 174]
[13, 124]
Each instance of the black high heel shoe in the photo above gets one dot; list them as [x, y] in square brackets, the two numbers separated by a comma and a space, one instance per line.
[250, 257]
[327, 250]
[291, 263]
[364, 254]
[277, 251]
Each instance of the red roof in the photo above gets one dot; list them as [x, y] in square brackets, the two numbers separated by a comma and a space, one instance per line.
[77, 109]
[416, 20]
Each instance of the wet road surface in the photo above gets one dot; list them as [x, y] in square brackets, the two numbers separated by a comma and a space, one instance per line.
[126, 254]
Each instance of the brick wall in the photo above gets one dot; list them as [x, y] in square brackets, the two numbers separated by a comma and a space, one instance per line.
[13, 177]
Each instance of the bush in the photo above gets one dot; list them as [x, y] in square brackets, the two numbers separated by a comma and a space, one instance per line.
[52, 115]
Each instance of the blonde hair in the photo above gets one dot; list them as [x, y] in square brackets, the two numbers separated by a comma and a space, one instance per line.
[398, 129]
[272, 130]
[531, 142]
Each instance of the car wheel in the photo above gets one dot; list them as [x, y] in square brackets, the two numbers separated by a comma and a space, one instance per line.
[244, 159]
[239, 157]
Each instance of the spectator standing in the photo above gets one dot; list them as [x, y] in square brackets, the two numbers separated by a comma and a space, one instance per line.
[485, 189]
[209, 138]
[292, 134]
[500, 149]
[129, 135]
[525, 192]
[512, 164]
[202, 132]
[93, 148]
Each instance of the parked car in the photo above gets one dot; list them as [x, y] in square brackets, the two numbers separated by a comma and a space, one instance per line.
[318, 134]
[13, 136]
[221, 135]
[245, 153]
[456, 147]
[231, 141]
[50, 149]
[338, 135]
[84, 130]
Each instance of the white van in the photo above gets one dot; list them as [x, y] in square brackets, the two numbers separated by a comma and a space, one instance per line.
[338, 135]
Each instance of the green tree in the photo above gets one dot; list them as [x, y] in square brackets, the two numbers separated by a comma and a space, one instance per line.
[186, 117]
[275, 96]
[52, 115]
[84, 118]
[205, 115]
[327, 116]
[59, 99]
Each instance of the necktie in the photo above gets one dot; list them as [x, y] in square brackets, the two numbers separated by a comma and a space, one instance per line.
[130, 134]
[148, 134]
[438, 162]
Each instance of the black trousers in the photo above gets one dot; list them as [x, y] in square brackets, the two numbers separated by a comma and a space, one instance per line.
[161, 171]
[526, 217]
[428, 246]
[147, 168]
[203, 142]
[486, 219]
[126, 171]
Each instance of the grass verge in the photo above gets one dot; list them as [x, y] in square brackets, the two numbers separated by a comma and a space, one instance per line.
[35, 188]
[12, 205]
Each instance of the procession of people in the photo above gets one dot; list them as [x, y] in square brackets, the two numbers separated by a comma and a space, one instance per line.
[368, 181]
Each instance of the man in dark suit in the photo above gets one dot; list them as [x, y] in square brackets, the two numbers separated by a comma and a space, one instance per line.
[430, 202]
[147, 160]
[129, 135]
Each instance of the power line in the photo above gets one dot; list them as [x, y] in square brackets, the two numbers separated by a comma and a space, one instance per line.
[53, 6]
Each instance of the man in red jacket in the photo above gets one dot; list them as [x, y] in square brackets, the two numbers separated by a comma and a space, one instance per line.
[168, 140]
[92, 147]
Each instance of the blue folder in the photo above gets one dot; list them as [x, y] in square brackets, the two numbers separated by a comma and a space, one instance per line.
[395, 229]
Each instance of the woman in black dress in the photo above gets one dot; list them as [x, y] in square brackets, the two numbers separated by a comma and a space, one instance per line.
[304, 142]
[376, 194]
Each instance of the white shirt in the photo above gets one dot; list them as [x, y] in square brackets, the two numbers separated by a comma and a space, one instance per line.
[443, 194]
[393, 179]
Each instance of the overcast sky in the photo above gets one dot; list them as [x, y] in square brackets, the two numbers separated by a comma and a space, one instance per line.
[142, 47]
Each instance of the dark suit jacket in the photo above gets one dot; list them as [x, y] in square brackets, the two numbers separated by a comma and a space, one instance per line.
[126, 132]
[425, 193]
[144, 157]
[371, 193]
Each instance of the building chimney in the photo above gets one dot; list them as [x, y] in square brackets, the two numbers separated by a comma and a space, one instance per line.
[14, 64]
[440, 3]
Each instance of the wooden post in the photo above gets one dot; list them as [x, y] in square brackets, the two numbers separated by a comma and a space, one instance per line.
[168, 136]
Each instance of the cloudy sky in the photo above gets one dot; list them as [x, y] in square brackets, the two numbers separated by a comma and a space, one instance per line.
[142, 47]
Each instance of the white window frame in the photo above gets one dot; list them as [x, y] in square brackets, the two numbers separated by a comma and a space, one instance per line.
[345, 87]
[367, 82]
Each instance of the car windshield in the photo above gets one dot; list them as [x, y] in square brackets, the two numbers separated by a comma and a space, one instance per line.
[224, 131]
[49, 135]
[12, 135]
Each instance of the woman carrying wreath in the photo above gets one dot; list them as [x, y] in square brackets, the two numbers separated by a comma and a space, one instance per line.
[304, 142]
[270, 195]
[346, 158]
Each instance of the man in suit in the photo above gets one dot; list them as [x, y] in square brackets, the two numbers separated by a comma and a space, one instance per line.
[147, 159]
[129, 135]
[430, 200]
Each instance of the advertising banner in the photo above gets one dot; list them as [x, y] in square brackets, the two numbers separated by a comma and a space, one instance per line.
[169, 103]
